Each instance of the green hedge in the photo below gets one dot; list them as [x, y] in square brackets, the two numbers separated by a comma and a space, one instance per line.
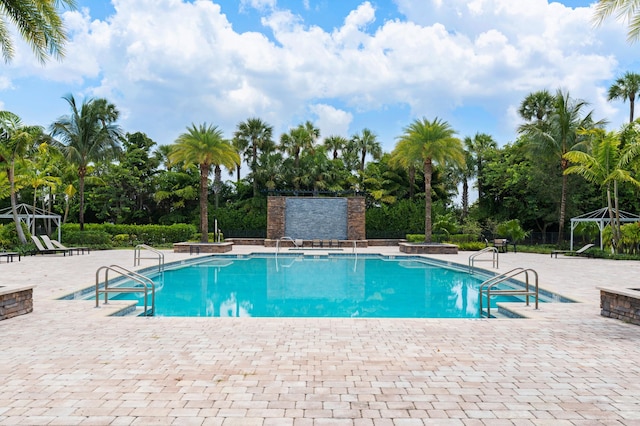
[127, 235]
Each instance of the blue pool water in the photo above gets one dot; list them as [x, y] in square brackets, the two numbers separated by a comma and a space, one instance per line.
[317, 286]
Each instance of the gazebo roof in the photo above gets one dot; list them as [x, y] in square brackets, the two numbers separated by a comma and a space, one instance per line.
[27, 211]
[603, 215]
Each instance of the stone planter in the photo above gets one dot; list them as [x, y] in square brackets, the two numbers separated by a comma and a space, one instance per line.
[428, 248]
[15, 301]
[199, 248]
[621, 304]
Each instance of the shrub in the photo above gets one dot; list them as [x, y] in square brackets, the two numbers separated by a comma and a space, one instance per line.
[131, 235]
[94, 239]
[463, 238]
[471, 245]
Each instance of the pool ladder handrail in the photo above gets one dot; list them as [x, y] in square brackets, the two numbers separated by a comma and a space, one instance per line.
[146, 282]
[487, 286]
[494, 257]
[137, 255]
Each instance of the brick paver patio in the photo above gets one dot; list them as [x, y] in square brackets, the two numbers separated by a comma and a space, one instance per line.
[68, 363]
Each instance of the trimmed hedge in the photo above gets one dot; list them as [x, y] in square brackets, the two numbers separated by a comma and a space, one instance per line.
[127, 235]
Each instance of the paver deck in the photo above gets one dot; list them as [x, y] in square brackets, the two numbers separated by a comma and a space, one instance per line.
[68, 363]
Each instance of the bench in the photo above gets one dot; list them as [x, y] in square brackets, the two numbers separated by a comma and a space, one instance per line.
[10, 255]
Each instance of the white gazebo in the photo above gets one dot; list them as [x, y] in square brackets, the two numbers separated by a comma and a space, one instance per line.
[601, 217]
[28, 215]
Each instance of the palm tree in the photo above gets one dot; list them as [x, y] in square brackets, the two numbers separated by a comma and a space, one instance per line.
[367, 143]
[627, 10]
[625, 88]
[606, 164]
[257, 135]
[39, 24]
[16, 142]
[431, 142]
[88, 134]
[537, 105]
[478, 147]
[558, 133]
[295, 141]
[334, 144]
[205, 147]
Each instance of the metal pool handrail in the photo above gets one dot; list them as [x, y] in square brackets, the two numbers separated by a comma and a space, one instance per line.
[146, 282]
[494, 259]
[488, 285]
[137, 255]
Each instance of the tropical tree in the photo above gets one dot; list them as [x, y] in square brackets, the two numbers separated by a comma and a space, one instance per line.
[626, 10]
[258, 136]
[482, 145]
[557, 134]
[605, 165]
[297, 140]
[626, 88]
[205, 147]
[536, 106]
[16, 142]
[38, 22]
[431, 142]
[334, 144]
[88, 134]
[367, 143]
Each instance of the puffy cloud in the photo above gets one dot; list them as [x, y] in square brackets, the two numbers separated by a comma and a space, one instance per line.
[168, 63]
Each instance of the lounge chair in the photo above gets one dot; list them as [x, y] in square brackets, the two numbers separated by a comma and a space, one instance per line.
[579, 251]
[44, 250]
[55, 244]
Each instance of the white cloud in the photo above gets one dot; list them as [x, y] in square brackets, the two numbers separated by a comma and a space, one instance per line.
[168, 63]
[331, 121]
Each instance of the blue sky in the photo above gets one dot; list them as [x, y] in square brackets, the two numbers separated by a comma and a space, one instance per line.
[342, 64]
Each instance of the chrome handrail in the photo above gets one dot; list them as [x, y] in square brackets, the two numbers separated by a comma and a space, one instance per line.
[494, 257]
[146, 282]
[137, 255]
[488, 285]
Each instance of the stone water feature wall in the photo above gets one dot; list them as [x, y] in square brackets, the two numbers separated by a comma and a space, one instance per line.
[311, 218]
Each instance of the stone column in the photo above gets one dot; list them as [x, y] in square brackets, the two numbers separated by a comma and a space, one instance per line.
[356, 229]
[276, 207]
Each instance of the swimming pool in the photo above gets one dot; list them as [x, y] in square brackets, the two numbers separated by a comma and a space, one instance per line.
[317, 286]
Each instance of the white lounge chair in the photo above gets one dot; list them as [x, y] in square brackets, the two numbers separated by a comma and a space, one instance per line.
[579, 251]
[45, 250]
[55, 244]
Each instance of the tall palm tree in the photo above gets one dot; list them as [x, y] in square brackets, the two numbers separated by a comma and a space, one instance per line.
[334, 144]
[16, 142]
[88, 134]
[607, 163]
[431, 142]
[479, 146]
[257, 135]
[536, 106]
[627, 10]
[295, 141]
[39, 24]
[367, 143]
[558, 134]
[205, 147]
[625, 88]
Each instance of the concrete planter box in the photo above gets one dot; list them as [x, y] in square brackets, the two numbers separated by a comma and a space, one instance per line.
[428, 248]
